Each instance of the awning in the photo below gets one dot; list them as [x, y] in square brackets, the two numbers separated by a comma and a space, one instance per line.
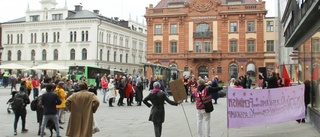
[251, 67]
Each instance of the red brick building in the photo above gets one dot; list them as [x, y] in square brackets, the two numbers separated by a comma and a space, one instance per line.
[209, 37]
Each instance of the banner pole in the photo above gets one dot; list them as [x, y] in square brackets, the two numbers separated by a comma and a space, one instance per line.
[185, 115]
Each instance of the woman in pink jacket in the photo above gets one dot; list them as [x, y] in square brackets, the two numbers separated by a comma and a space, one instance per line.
[104, 86]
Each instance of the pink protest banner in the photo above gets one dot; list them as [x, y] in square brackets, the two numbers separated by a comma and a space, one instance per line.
[253, 107]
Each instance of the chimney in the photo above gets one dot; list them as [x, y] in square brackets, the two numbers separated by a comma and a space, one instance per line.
[150, 6]
[116, 18]
[78, 7]
[96, 11]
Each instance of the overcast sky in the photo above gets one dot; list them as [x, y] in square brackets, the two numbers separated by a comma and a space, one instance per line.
[12, 9]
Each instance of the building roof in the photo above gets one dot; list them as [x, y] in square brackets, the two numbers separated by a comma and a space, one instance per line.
[82, 14]
[164, 3]
[22, 19]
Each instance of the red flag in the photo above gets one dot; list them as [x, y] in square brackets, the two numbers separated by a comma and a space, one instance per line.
[285, 76]
[315, 74]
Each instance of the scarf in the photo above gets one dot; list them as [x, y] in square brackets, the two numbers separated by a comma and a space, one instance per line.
[156, 90]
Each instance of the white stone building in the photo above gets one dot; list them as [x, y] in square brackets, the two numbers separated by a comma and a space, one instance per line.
[73, 37]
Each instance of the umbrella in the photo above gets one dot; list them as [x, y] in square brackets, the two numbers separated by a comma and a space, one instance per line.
[12, 66]
[50, 66]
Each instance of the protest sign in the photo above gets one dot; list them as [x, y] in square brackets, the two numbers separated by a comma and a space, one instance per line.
[252, 107]
[177, 89]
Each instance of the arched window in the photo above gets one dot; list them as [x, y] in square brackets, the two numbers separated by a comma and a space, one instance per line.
[42, 37]
[21, 41]
[9, 55]
[71, 36]
[44, 55]
[31, 40]
[46, 37]
[75, 36]
[72, 54]
[8, 39]
[87, 35]
[101, 54]
[251, 71]
[108, 55]
[121, 58]
[58, 36]
[11, 39]
[203, 27]
[203, 72]
[18, 38]
[54, 36]
[174, 73]
[35, 37]
[33, 55]
[127, 58]
[84, 54]
[115, 56]
[55, 54]
[233, 71]
[19, 55]
[82, 35]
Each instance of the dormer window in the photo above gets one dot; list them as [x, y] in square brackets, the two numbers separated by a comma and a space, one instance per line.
[175, 4]
[56, 16]
[34, 18]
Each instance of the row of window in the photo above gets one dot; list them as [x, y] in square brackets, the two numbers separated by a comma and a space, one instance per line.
[203, 27]
[72, 55]
[206, 46]
[19, 39]
[84, 36]
[54, 17]
[115, 41]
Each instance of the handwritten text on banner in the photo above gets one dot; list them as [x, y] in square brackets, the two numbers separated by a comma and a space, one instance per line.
[252, 107]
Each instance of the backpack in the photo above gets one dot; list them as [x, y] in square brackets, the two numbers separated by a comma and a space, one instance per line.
[34, 104]
[17, 104]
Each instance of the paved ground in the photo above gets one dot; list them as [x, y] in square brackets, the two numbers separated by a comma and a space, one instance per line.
[133, 122]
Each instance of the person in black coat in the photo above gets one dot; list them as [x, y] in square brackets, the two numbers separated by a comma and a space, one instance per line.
[139, 91]
[21, 113]
[272, 81]
[307, 89]
[157, 114]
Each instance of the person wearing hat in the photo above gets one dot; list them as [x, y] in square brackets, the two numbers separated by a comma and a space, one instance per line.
[62, 94]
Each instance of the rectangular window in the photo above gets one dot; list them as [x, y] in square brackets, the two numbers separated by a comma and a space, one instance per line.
[251, 26]
[34, 18]
[173, 29]
[157, 47]
[173, 47]
[158, 29]
[219, 70]
[269, 26]
[56, 16]
[251, 45]
[207, 46]
[233, 27]
[186, 69]
[315, 45]
[198, 46]
[270, 45]
[233, 46]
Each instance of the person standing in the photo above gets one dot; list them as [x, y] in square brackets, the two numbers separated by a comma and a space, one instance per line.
[192, 85]
[307, 89]
[139, 91]
[82, 105]
[6, 76]
[104, 85]
[129, 92]
[14, 81]
[121, 86]
[215, 95]
[112, 90]
[204, 92]
[62, 95]
[272, 81]
[157, 114]
[49, 100]
[98, 79]
[36, 86]
[28, 85]
[20, 111]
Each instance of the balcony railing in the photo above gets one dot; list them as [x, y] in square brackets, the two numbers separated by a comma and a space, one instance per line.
[202, 35]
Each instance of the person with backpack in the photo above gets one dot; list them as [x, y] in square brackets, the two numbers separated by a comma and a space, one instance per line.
[20, 101]
[49, 100]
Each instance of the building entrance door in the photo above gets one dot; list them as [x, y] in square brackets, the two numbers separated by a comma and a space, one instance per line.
[203, 72]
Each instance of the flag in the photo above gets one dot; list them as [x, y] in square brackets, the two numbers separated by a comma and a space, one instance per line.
[315, 74]
[285, 75]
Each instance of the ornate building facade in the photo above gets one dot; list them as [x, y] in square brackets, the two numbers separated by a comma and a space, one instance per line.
[74, 37]
[227, 38]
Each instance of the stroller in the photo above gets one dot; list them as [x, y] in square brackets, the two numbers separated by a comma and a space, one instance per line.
[9, 109]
